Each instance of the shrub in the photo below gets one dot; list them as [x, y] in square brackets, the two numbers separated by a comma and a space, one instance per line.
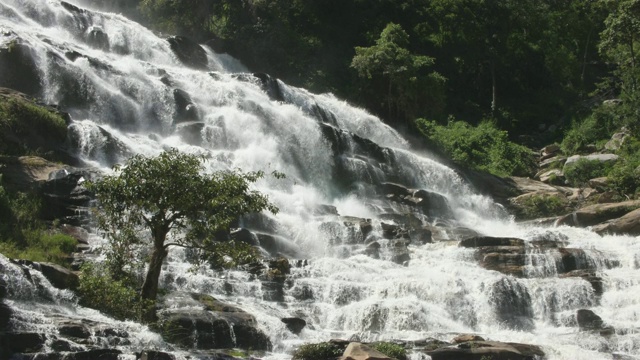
[597, 127]
[579, 173]
[483, 147]
[23, 235]
[320, 351]
[540, 206]
[624, 177]
[117, 298]
[391, 350]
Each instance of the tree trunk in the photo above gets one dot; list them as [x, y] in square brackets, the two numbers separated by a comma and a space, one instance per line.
[149, 290]
[150, 287]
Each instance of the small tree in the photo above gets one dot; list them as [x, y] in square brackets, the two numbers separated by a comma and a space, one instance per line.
[153, 197]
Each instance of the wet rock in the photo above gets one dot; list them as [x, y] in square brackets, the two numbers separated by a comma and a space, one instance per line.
[588, 320]
[191, 132]
[18, 69]
[101, 354]
[245, 236]
[76, 232]
[399, 252]
[156, 355]
[67, 199]
[64, 345]
[270, 86]
[358, 351]
[481, 241]
[323, 209]
[21, 342]
[59, 276]
[107, 148]
[212, 327]
[466, 338]
[423, 235]
[295, 325]
[186, 109]
[302, 292]
[512, 304]
[74, 329]
[5, 316]
[3, 287]
[373, 250]
[588, 275]
[97, 38]
[189, 52]
[481, 350]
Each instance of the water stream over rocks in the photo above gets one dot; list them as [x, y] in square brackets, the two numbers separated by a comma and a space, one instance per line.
[386, 243]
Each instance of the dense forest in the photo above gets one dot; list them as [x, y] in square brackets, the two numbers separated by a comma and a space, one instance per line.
[526, 72]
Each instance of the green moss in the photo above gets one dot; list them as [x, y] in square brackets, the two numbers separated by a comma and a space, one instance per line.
[29, 129]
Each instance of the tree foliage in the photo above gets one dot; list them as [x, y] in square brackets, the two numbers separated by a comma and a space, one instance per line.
[166, 201]
[410, 87]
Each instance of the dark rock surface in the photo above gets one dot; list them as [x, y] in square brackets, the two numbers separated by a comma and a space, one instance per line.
[189, 52]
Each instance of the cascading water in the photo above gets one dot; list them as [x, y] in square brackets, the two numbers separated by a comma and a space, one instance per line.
[128, 93]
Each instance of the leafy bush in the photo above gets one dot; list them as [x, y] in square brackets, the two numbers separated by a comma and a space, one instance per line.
[117, 298]
[320, 351]
[596, 128]
[624, 177]
[483, 147]
[391, 350]
[580, 172]
[540, 206]
[23, 235]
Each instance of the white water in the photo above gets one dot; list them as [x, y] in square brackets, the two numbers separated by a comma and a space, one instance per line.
[440, 293]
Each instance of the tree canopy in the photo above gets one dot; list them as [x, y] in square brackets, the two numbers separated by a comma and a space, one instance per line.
[167, 200]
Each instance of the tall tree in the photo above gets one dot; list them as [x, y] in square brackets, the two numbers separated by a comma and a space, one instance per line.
[409, 85]
[167, 201]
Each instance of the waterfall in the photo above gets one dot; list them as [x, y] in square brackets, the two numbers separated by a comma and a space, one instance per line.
[129, 93]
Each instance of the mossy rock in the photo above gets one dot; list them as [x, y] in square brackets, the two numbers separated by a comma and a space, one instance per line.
[29, 128]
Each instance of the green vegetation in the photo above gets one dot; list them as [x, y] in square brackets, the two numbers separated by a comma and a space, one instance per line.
[319, 351]
[624, 177]
[483, 147]
[117, 298]
[23, 235]
[540, 206]
[580, 172]
[150, 198]
[330, 350]
[391, 350]
[27, 128]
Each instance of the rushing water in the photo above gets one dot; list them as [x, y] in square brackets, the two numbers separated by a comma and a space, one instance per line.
[123, 92]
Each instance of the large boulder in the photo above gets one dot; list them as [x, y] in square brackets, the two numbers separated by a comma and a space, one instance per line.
[58, 276]
[26, 172]
[512, 304]
[202, 322]
[66, 198]
[588, 320]
[481, 350]
[598, 213]
[18, 68]
[358, 351]
[627, 224]
[186, 109]
[189, 52]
